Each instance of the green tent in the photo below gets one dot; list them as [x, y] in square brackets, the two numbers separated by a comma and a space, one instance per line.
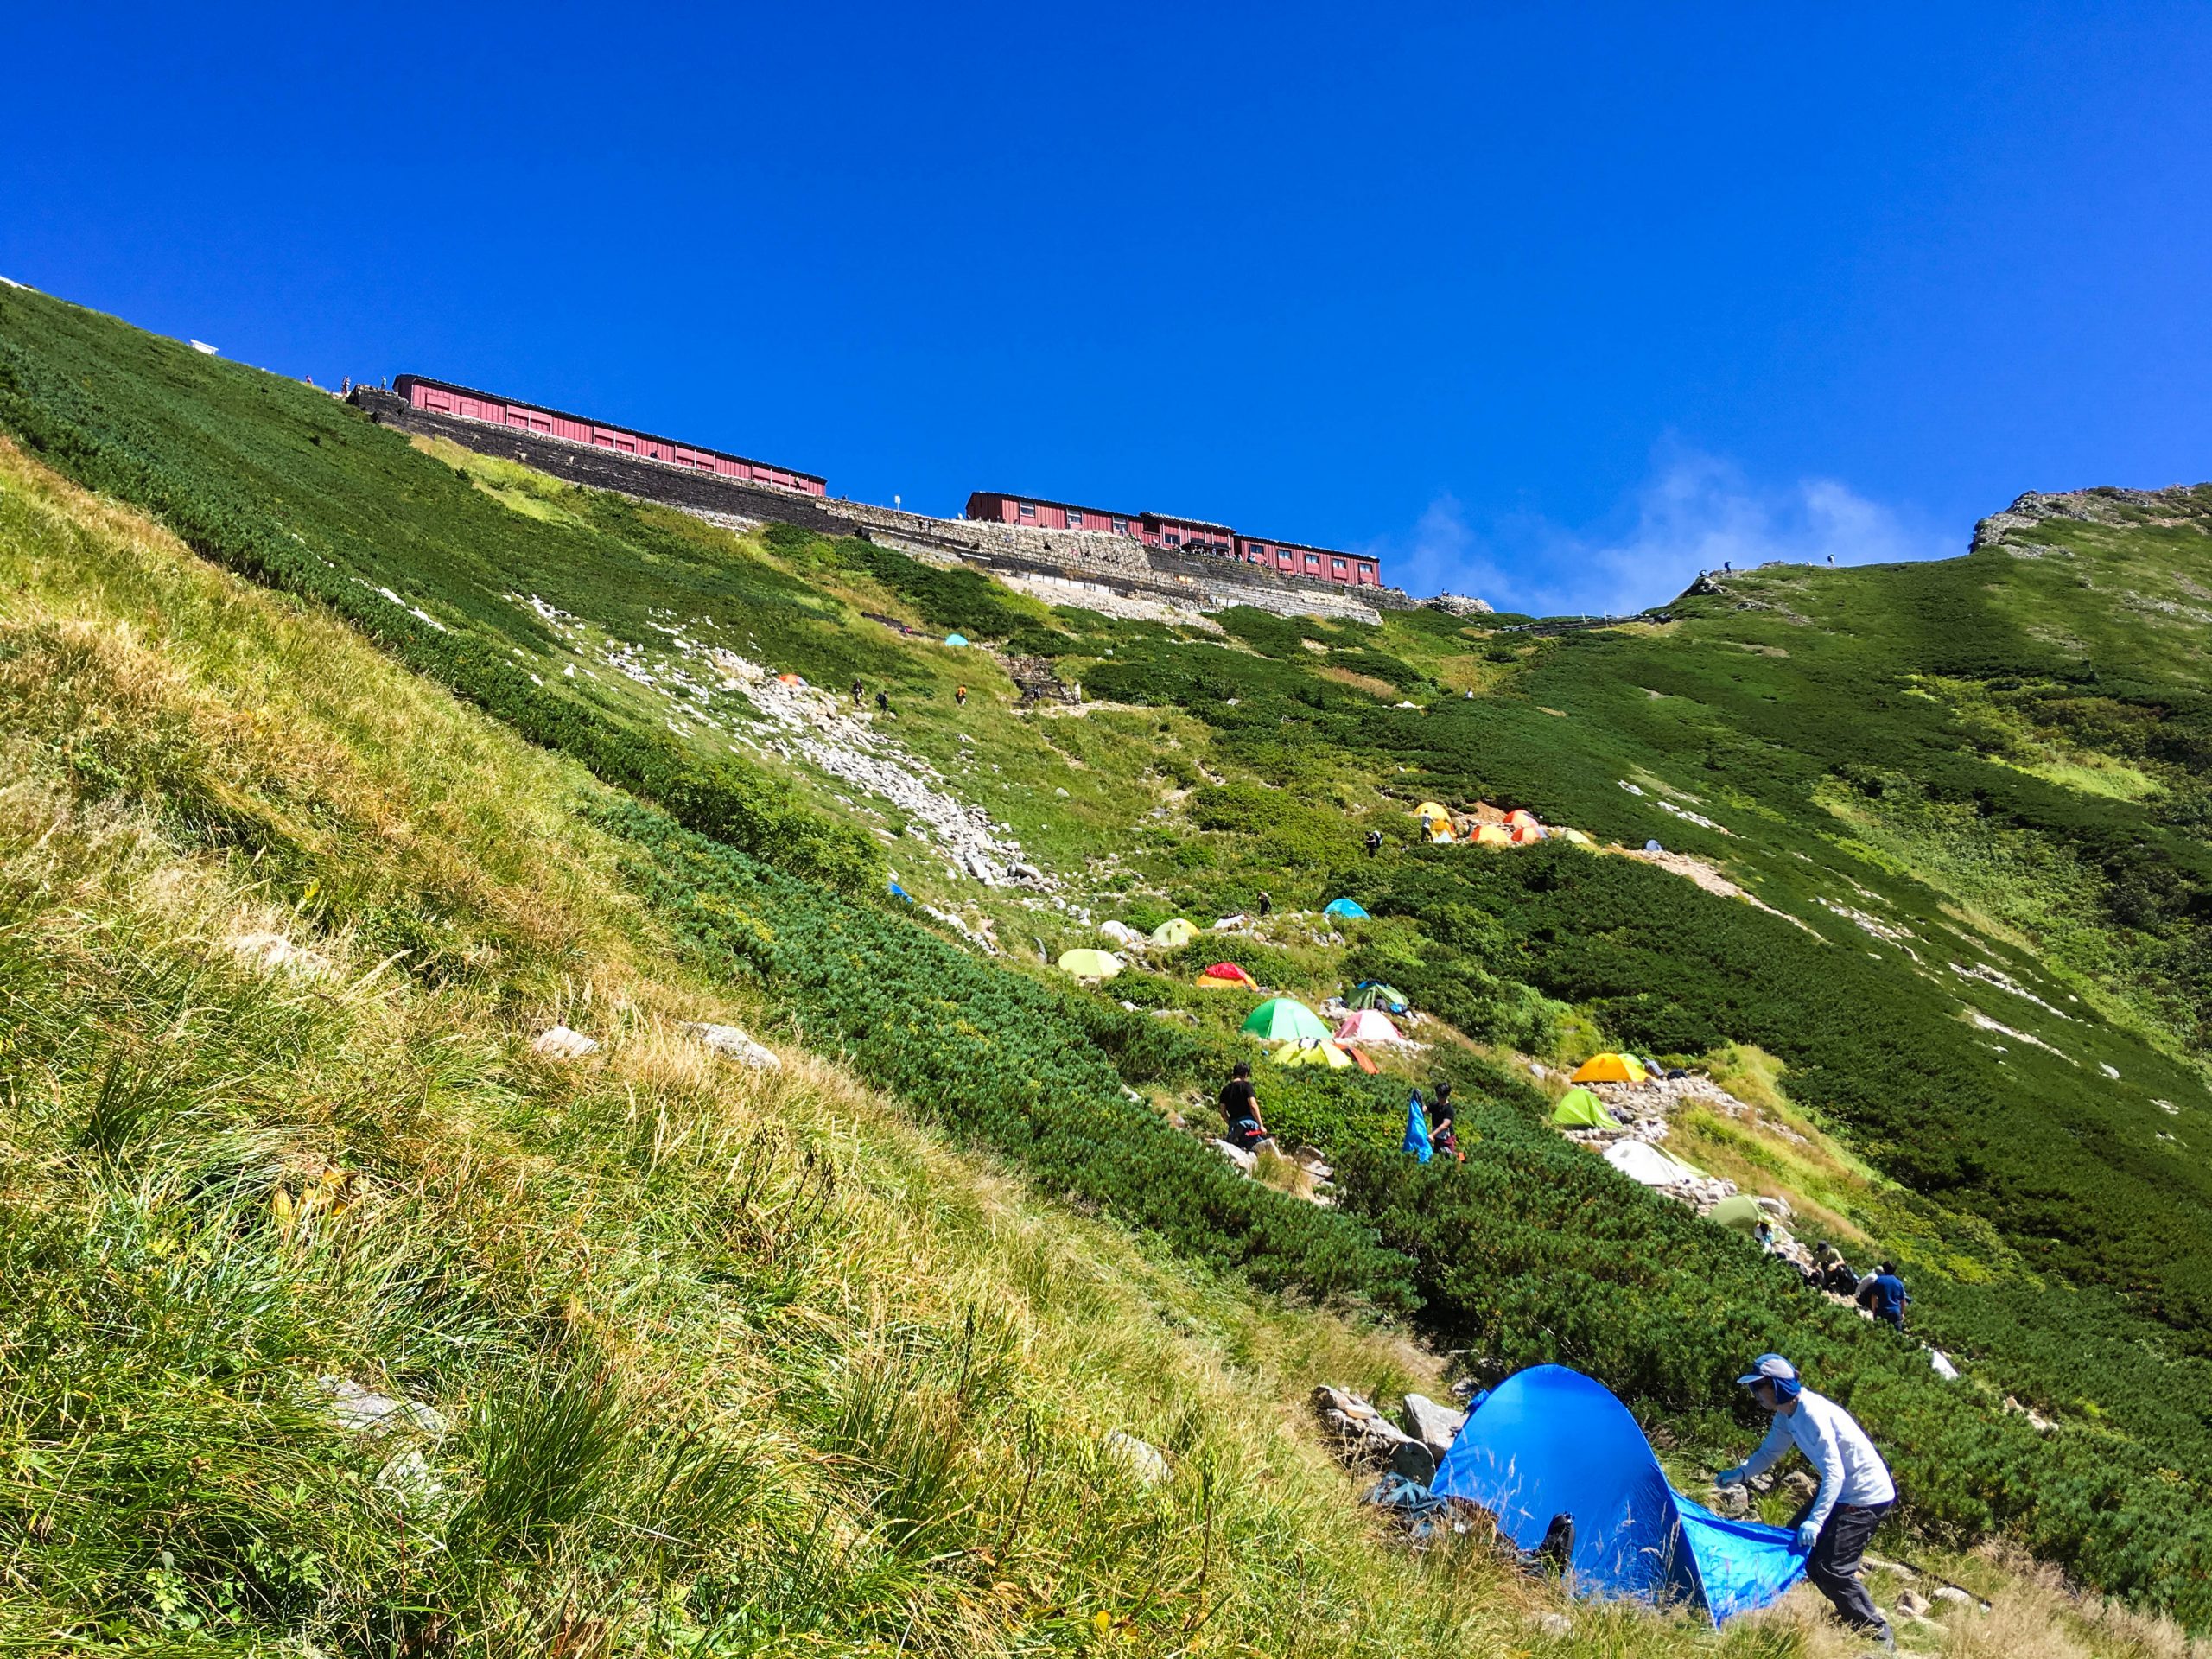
[1285, 1019]
[1091, 964]
[1740, 1211]
[1374, 994]
[1578, 1109]
[1175, 933]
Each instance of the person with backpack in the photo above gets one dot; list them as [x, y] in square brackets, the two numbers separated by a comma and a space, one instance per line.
[1374, 842]
[1240, 1110]
[1855, 1489]
[960, 696]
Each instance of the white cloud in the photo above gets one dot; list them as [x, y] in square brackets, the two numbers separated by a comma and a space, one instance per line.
[1696, 512]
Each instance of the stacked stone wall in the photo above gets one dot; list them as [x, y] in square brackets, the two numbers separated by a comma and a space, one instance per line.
[606, 469]
[1117, 563]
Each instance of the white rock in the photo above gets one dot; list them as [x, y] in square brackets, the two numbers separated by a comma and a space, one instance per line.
[363, 1411]
[1144, 1461]
[560, 1043]
[733, 1044]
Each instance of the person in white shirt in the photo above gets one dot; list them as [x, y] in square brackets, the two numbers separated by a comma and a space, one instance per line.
[1855, 1491]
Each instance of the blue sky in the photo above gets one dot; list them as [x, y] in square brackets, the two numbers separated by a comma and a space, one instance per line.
[1552, 304]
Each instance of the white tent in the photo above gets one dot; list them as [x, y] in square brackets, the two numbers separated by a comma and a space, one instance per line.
[1641, 1161]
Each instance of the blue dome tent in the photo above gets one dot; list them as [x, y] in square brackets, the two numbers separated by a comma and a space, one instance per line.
[1550, 1441]
[1350, 908]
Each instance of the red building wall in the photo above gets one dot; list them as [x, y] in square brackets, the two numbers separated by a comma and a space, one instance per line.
[440, 399]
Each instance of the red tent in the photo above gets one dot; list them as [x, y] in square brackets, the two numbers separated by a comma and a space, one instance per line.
[1229, 973]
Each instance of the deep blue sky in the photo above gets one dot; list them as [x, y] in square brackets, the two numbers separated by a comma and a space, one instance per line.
[1551, 304]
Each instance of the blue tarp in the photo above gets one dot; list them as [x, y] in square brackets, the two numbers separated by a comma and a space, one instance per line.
[1350, 907]
[1550, 1441]
[1417, 1142]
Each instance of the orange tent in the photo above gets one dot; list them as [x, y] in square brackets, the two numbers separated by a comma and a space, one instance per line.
[1611, 1068]
[1522, 818]
[1493, 835]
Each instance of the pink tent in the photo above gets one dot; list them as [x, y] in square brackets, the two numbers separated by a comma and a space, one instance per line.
[1368, 1026]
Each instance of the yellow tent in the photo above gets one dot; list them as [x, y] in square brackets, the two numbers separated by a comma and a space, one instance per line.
[1493, 835]
[1574, 835]
[1313, 1053]
[1441, 831]
[1175, 933]
[1431, 810]
[1611, 1068]
[1091, 964]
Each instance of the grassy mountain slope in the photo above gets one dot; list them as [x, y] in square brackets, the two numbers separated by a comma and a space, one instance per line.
[734, 1363]
[1885, 789]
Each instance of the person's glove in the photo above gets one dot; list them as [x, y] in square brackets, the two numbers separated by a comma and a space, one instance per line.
[1730, 1477]
[1807, 1535]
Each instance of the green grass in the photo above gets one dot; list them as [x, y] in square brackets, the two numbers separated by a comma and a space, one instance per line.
[1252, 760]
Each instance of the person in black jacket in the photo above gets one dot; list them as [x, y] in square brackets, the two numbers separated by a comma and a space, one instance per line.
[1441, 1112]
[1240, 1110]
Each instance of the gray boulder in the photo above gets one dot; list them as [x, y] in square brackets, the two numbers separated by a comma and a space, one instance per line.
[1415, 1462]
[1435, 1427]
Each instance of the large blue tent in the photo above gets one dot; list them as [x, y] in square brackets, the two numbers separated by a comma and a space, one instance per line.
[1551, 1441]
[1349, 908]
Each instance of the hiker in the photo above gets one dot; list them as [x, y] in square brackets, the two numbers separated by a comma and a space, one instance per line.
[859, 693]
[1440, 1114]
[1240, 1110]
[883, 702]
[960, 696]
[1882, 1294]
[1836, 1525]
[1835, 1273]
[1374, 842]
[1266, 902]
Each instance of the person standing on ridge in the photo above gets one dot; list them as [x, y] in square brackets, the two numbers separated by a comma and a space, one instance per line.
[1855, 1492]
[1239, 1108]
[1266, 902]
[859, 693]
[1374, 842]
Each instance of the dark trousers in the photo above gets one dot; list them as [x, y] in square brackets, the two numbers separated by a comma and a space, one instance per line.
[1833, 1568]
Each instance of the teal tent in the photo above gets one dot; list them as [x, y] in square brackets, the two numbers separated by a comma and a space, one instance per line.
[1374, 993]
[956, 639]
[1350, 909]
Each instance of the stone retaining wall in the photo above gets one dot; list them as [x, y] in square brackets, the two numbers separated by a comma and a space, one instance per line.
[1117, 563]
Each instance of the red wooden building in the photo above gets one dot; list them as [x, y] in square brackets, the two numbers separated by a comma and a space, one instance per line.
[438, 397]
[1188, 535]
